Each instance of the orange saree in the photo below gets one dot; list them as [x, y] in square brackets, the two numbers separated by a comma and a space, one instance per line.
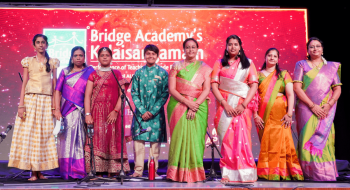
[277, 159]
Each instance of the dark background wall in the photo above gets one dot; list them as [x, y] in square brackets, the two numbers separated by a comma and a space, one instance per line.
[327, 21]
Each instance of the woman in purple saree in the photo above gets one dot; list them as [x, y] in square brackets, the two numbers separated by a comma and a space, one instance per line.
[70, 90]
[317, 85]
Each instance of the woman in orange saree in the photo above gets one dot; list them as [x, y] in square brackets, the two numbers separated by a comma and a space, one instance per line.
[278, 159]
[234, 85]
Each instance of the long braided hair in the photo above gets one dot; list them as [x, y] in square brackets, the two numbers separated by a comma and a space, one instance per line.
[46, 54]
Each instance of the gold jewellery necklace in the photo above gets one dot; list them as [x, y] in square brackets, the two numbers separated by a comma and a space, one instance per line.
[315, 66]
[41, 63]
[77, 70]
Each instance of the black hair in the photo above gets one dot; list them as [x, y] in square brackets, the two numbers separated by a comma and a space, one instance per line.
[308, 43]
[277, 67]
[151, 47]
[244, 60]
[71, 65]
[189, 39]
[48, 69]
[104, 49]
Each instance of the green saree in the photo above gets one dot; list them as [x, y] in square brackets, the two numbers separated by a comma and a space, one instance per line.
[185, 163]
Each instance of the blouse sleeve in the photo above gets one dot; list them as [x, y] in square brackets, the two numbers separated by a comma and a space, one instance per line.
[253, 75]
[25, 62]
[298, 72]
[174, 70]
[287, 78]
[55, 63]
[91, 77]
[215, 75]
[336, 79]
[122, 81]
[60, 81]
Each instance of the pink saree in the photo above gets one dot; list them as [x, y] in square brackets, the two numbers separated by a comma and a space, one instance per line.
[237, 164]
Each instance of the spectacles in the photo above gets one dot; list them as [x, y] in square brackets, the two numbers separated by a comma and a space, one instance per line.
[313, 47]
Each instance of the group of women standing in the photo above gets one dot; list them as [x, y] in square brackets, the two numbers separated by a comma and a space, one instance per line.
[242, 95]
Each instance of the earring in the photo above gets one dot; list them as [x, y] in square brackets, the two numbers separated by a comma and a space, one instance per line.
[226, 52]
[322, 53]
[276, 63]
[239, 53]
[71, 61]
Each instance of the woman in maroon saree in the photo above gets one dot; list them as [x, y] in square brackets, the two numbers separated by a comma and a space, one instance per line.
[102, 109]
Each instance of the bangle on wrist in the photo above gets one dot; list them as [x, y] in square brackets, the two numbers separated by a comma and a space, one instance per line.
[243, 106]
[221, 101]
[290, 115]
[313, 105]
[21, 106]
[116, 110]
[87, 114]
[53, 108]
[182, 99]
[256, 116]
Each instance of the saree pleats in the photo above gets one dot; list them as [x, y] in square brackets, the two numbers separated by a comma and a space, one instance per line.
[278, 159]
[316, 149]
[185, 163]
[70, 146]
[187, 146]
[314, 167]
[71, 141]
[237, 163]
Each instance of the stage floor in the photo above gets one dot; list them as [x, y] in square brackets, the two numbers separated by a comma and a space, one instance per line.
[162, 184]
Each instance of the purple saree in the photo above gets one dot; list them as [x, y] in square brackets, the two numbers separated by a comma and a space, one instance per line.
[70, 144]
[316, 136]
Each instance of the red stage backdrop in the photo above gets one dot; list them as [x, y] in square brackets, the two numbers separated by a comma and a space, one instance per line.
[128, 31]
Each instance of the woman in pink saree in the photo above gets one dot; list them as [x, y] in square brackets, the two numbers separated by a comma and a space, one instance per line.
[234, 83]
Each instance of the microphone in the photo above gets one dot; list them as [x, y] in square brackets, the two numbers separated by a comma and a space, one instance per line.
[90, 130]
[4, 134]
[143, 131]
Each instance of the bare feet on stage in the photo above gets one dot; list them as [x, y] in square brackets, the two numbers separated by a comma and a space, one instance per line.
[99, 175]
[36, 175]
[41, 176]
[33, 178]
[136, 175]
[224, 180]
[112, 174]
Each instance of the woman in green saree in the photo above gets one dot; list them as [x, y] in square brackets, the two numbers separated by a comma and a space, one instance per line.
[189, 86]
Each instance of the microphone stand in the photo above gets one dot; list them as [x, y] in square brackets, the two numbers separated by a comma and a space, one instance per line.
[92, 174]
[212, 174]
[2, 138]
[122, 175]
